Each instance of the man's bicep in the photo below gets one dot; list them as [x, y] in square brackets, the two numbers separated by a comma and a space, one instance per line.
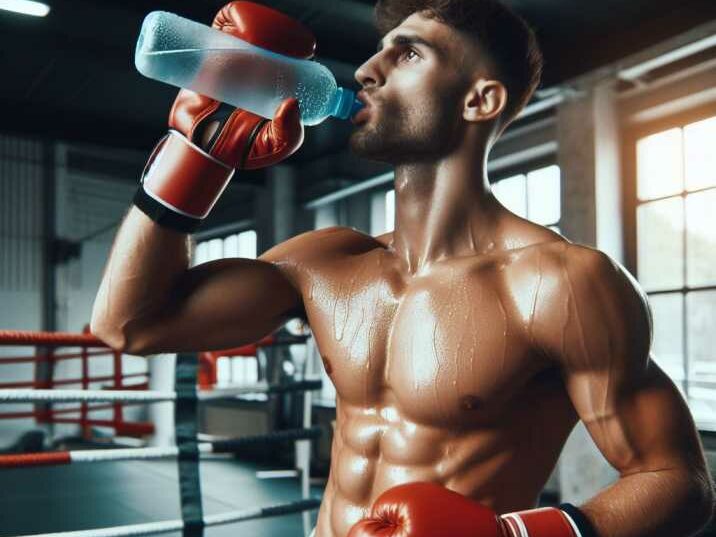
[640, 425]
[221, 304]
[602, 341]
[231, 302]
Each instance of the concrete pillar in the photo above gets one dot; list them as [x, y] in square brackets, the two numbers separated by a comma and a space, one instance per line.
[325, 216]
[589, 158]
[576, 157]
[608, 173]
[283, 188]
[275, 207]
[275, 218]
[162, 378]
[378, 225]
[358, 212]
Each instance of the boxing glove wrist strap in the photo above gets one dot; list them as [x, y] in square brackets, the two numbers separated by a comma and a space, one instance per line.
[180, 183]
[568, 521]
[577, 517]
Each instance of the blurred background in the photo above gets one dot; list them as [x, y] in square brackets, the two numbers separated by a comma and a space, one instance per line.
[617, 150]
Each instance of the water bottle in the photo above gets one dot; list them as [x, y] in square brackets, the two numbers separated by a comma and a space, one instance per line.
[190, 55]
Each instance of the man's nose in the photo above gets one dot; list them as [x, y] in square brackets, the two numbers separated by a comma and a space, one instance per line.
[370, 73]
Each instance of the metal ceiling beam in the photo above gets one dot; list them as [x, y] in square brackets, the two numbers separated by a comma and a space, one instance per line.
[634, 63]
[639, 70]
[344, 28]
[495, 165]
[350, 191]
[348, 17]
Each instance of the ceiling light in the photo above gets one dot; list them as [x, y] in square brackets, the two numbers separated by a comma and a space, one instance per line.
[26, 7]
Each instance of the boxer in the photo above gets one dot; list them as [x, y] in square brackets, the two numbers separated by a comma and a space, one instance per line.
[465, 345]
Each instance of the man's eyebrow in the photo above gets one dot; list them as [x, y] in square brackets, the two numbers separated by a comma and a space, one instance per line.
[409, 39]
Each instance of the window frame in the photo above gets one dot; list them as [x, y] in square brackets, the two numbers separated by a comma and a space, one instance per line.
[631, 202]
[523, 168]
[208, 236]
[533, 165]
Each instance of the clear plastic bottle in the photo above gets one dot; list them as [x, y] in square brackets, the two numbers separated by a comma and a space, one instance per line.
[190, 55]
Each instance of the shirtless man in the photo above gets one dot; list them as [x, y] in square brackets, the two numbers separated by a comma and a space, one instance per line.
[465, 345]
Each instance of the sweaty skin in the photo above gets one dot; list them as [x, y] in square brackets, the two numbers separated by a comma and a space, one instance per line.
[472, 372]
[464, 346]
[437, 374]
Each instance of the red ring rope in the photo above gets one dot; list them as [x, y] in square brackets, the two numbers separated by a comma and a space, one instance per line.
[50, 339]
[35, 459]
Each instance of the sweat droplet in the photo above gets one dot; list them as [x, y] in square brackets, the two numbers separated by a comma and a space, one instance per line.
[470, 402]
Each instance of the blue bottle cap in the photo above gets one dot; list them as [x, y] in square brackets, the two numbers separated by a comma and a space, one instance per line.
[356, 107]
[346, 104]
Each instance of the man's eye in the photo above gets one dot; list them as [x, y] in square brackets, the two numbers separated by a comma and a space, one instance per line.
[409, 51]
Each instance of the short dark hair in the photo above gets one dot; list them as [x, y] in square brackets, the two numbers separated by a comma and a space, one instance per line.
[507, 39]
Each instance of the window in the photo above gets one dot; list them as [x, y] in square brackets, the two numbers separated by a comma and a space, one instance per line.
[535, 195]
[238, 245]
[232, 370]
[676, 256]
[389, 210]
[239, 369]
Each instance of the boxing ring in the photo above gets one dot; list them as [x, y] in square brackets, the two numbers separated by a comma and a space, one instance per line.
[47, 356]
[191, 369]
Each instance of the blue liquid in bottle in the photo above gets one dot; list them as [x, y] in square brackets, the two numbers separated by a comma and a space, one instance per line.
[190, 55]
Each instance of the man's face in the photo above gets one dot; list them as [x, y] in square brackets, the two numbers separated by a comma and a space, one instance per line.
[414, 94]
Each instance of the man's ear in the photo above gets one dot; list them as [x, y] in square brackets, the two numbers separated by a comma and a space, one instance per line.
[485, 101]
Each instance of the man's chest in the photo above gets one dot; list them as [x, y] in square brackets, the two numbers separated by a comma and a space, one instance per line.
[445, 347]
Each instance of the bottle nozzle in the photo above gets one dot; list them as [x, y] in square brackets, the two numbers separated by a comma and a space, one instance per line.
[355, 108]
[346, 104]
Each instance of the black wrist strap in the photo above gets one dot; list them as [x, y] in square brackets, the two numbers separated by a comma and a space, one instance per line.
[163, 215]
[583, 524]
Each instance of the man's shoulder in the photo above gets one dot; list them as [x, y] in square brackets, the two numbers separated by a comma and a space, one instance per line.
[592, 299]
[580, 266]
[322, 245]
[584, 264]
[594, 283]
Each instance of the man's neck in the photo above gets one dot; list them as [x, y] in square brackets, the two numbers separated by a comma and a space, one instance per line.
[443, 210]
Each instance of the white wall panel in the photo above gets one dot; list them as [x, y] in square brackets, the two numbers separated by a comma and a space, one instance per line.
[20, 259]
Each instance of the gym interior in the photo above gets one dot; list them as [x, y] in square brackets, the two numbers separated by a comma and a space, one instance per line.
[616, 150]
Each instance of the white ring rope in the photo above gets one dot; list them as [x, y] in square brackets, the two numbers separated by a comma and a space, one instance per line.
[225, 446]
[77, 396]
[128, 454]
[167, 526]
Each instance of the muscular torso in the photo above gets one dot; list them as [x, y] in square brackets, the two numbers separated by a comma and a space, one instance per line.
[437, 377]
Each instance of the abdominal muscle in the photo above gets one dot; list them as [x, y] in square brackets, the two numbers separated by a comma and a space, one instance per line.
[375, 449]
[501, 461]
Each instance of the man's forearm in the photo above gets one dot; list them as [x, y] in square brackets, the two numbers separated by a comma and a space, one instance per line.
[145, 263]
[664, 503]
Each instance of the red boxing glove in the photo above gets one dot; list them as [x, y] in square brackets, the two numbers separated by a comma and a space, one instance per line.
[208, 140]
[430, 510]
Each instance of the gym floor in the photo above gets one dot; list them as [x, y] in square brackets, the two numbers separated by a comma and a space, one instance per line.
[92, 496]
